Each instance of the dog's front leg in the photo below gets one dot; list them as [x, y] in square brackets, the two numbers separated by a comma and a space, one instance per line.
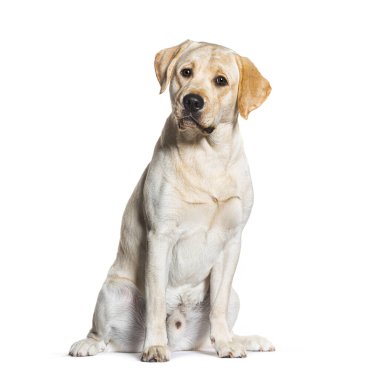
[220, 287]
[156, 277]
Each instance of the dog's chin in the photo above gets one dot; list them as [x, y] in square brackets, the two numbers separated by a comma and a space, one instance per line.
[186, 123]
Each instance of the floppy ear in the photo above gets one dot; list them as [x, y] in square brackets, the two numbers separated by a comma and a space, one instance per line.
[253, 88]
[165, 61]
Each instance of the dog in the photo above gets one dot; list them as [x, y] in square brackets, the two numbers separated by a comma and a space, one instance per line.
[170, 287]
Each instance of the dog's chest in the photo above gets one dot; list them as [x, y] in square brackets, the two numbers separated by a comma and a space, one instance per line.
[211, 202]
[208, 200]
[220, 215]
[206, 223]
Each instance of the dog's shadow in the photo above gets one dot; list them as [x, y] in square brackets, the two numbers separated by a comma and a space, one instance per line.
[137, 355]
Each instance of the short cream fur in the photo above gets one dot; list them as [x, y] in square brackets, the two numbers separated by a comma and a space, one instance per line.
[170, 287]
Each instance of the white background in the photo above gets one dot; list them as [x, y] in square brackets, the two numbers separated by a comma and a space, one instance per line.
[79, 116]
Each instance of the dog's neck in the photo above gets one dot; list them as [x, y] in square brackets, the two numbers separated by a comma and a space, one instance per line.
[203, 166]
[225, 140]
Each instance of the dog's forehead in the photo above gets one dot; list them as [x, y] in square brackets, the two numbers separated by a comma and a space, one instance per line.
[210, 56]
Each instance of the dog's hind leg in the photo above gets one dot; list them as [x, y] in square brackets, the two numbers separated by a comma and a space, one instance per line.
[118, 321]
[254, 343]
[189, 329]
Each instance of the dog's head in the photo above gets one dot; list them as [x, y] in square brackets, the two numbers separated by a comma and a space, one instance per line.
[209, 84]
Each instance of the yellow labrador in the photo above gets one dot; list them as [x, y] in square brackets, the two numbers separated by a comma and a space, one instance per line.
[170, 287]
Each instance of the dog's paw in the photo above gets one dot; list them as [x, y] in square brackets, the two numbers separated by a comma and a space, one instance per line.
[254, 343]
[232, 349]
[155, 354]
[87, 347]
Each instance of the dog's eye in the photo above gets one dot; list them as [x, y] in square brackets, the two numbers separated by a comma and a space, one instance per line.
[221, 81]
[186, 72]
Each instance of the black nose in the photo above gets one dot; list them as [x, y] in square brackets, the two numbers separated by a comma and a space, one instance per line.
[193, 102]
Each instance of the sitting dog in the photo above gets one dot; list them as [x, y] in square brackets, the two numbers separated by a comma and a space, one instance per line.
[170, 287]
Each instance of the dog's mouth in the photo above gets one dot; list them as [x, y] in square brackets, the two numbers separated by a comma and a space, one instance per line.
[190, 121]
